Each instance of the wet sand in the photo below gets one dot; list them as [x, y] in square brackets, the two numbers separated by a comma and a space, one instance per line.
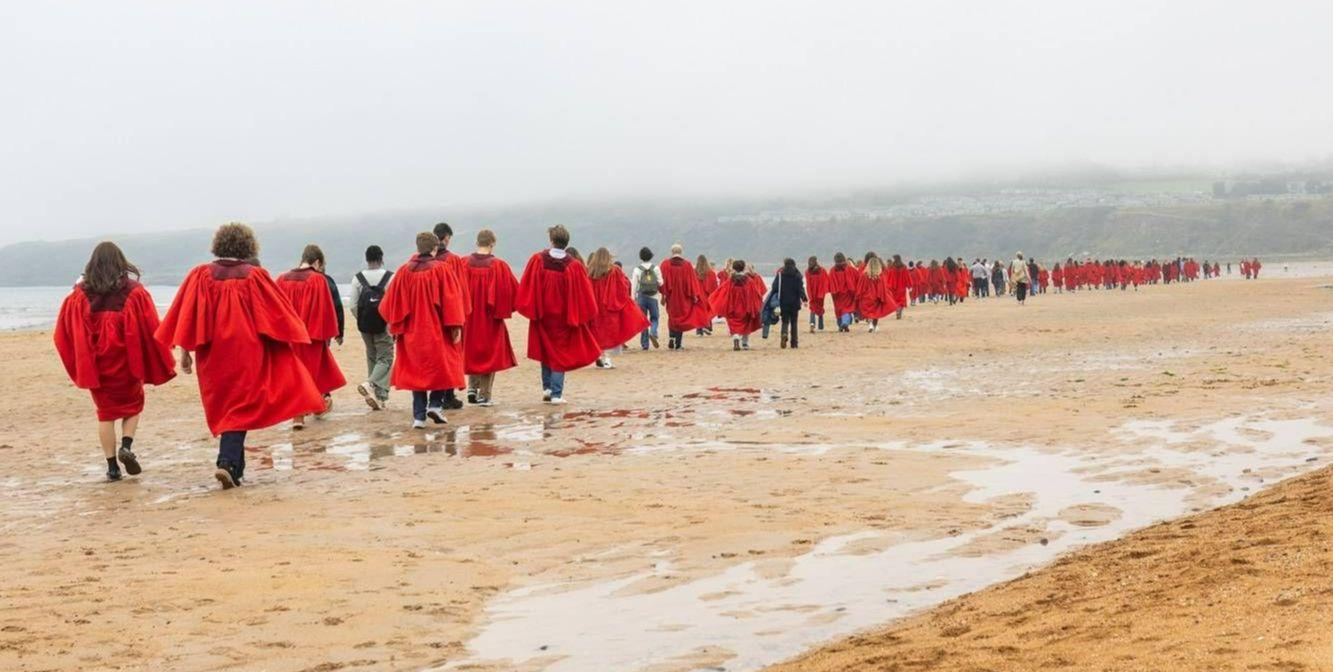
[364, 545]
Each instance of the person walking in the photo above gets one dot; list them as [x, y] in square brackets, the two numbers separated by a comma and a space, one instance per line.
[1019, 276]
[368, 287]
[791, 294]
[646, 283]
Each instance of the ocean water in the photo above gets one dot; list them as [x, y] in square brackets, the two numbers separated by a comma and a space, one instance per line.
[24, 308]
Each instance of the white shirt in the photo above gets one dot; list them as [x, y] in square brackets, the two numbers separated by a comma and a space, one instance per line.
[373, 276]
[638, 273]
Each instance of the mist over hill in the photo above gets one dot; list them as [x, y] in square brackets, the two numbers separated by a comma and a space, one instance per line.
[1048, 224]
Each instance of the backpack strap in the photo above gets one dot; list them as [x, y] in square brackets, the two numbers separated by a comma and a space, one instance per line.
[384, 281]
[362, 279]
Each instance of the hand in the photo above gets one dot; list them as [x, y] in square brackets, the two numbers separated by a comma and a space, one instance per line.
[187, 362]
[455, 334]
[339, 340]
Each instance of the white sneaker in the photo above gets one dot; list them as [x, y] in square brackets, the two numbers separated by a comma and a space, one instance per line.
[546, 395]
[418, 424]
[437, 415]
[606, 363]
[484, 402]
[556, 401]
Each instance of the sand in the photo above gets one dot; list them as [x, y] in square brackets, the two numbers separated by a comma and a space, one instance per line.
[361, 545]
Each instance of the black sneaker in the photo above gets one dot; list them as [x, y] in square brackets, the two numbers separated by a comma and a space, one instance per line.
[130, 461]
[453, 404]
[228, 475]
[112, 471]
[471, 396]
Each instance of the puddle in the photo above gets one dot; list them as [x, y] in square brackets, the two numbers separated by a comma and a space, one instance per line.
[1075, 498]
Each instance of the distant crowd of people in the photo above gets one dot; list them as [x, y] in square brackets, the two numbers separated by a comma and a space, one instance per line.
[437, 325]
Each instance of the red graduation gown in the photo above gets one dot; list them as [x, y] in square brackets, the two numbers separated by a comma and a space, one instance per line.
[686, 304]
[874, 297]
[308, 290]
[241, 329]
[421, 302]
[899, 281]
[106, 343]
[493, 289]
[709, 283]
[618, 317]
[842, 284]
[556, 296]
[740, 300]
[816, 288]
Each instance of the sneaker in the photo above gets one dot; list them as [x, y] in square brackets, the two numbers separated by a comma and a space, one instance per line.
[652, 338]
[437, 416]
[112, 471]
[600, 363]
[608, 364]
[368, 393]
[557, 401]
[328, 406]
[736, 344]
[546, 395]
[418, 424]
[484, 402]
[472, 395]
[453, 403]
[227, 475]
[130, 461]
[784, 342]
[298, 424]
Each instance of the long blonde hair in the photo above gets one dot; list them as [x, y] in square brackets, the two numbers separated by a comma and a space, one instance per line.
[874, 267]
[599, 264]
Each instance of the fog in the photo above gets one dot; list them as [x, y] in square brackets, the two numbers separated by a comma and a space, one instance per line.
[142, 116]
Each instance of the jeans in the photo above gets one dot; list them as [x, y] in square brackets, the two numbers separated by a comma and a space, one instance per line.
[649, 306]
[231, 450]
[482, 383]
[379, 362]
[817, 320]
[553, 381]
[790, 317]
[424, 400]
[844, 320]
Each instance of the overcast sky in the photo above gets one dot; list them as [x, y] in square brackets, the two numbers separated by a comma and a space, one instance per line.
[138, 116]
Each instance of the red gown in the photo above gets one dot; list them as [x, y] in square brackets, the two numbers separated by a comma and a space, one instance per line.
[241, 329]
[874, 297]
[423, 300]
[308, 290]
[618, 317]
[684, 298]
[493, 290]
[899, 282]
[709, 283]
[106, 343]
[556, 296]
[816, 288]
[740, 300]
[842, 284]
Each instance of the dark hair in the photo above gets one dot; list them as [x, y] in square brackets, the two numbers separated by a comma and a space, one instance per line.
[645, 254]
[559, 237]
[738, 265]
[574, 252]
[374, 255]
[107, 269]
[443, 231]
[312, 254]
[839, 258]
[812, 264]
[427, 242]
[897, 261]
[235, 241]
[788, 264]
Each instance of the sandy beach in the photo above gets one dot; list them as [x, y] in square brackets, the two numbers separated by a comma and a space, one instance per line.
[995, 475]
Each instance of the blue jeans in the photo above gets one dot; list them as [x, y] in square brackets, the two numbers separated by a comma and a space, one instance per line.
[231, 449]
[845, 320]
[423, 400]
[648, 304]
[553, 381]
[817, 319]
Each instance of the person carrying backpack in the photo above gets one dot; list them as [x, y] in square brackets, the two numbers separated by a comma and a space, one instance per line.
[646, 280]
[367, 290]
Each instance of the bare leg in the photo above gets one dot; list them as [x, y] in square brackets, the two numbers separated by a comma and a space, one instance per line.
[106, 435]
[128, 426]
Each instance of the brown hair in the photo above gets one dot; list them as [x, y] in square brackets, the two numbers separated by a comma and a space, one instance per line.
[235, 241]
[574, 252]
[485, 238]
[107, 269]
[312, 254]
[427, 242]
[559, 236]
[599, 264]
[702, 268]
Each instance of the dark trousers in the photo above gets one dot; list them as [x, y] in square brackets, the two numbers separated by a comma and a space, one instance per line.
[1021, 291]
[790, 318]
[675, 340]
[231, 450]
[424, 400]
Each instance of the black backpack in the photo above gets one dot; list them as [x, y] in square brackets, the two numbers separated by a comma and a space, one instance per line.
[368, 318]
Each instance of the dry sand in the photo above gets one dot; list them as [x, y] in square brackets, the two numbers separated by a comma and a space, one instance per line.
[361, 545]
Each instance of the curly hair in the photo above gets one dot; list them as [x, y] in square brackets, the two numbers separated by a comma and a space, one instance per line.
[235, 241]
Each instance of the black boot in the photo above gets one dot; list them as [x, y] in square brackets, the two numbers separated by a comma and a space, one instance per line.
[228, 474]
[131, 462]
[112, 469]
